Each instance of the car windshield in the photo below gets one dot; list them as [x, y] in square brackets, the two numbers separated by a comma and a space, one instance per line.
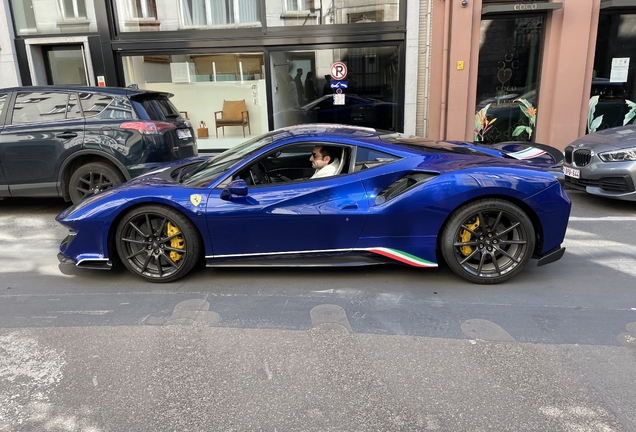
[212, 168]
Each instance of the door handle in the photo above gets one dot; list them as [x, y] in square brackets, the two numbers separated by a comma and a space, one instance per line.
[350, 206]
[66, 135]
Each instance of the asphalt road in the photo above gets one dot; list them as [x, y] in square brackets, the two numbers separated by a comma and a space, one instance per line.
[384, 348]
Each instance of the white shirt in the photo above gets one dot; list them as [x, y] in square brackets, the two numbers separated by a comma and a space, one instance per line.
[327, 171]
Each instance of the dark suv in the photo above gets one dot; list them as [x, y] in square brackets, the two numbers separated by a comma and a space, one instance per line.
[75, 141]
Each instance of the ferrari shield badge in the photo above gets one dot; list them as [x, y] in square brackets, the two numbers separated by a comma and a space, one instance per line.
[195, 199]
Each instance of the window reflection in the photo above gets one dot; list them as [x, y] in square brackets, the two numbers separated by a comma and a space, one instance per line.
[53, 16]
[613, 91]
[507, 78]
[304, 91]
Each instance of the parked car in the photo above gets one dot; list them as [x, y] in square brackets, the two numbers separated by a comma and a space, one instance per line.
[76, 141]
[603, 163]
[484, 211]
[357, 110]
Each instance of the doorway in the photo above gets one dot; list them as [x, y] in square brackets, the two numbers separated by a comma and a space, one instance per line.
[65, 65]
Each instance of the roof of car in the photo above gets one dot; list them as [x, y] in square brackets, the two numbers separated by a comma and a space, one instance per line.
[109, 90]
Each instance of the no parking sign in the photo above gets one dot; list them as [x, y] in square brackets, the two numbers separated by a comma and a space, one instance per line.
[338, 71]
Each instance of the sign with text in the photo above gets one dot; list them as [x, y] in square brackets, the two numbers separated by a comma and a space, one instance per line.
[339, 99]
[339, 84]
[620, 69]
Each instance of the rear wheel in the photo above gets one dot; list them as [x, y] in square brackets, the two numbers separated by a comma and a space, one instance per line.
[488, 241]
[157, 243]
[92, 178]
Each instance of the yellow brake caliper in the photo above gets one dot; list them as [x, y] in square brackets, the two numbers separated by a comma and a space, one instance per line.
[465, 235]
[177, 242]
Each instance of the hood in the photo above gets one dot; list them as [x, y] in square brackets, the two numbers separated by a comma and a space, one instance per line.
[608, 139]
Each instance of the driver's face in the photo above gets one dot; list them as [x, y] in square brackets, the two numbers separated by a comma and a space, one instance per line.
[316, 158]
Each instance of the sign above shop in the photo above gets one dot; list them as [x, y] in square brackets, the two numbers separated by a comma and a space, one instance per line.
[605, 4]
[338, 71]
[519, 7]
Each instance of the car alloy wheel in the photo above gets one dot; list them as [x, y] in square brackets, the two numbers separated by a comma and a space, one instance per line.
[488, 241]
[92, 178]
[157, 243]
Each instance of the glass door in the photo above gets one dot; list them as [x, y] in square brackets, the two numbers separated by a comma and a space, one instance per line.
[65, 65]
[613, 93]
[507, 79]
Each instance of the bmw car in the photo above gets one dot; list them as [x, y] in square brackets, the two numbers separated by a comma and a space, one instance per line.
[484, 211]
[603, 163]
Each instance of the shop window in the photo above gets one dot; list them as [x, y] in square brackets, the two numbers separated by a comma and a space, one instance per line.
[507, 79]
[613, 92]
[200, 83]
[303, 93]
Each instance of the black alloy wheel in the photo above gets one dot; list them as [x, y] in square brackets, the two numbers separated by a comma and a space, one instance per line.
[92, 178]
[488, 241]
[157, 243]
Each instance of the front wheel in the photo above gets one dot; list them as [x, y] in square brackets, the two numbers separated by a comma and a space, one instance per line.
[488, 241]
[92, 178]
[157, 243]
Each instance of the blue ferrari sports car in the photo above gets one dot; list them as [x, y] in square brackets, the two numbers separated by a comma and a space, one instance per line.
[389, 198]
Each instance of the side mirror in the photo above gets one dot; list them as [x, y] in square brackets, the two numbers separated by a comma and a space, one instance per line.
[235, 188]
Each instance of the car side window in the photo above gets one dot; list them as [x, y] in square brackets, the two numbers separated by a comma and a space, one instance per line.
[103, 106]
[35, 107]
[368, 158]
[291, 163]
[3, 99]
[74, 109]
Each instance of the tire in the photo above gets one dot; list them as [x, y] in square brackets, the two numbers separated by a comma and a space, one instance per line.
[488, 241]
[157, 243]
[92, 178]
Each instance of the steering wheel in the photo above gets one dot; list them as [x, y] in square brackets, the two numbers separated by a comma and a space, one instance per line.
[258, 173]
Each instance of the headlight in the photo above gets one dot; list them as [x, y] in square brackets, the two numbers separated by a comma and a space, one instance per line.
[625, 155]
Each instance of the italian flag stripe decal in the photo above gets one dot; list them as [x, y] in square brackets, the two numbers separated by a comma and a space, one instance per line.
[402, 257]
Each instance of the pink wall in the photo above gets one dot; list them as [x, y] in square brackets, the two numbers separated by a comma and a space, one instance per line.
[566, 73]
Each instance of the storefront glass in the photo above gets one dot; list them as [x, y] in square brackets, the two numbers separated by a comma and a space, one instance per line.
[303, 92]
[509, 64]
[613, 92]
[202, 86]
[169, 15]
[327, 12]
[53, 16]
[150, 15]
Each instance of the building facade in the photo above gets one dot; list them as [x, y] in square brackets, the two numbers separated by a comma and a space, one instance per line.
[475, 70]
[276, 55]
[543, 71]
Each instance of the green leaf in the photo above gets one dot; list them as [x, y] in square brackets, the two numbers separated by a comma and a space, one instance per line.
[596, 123]
[518, 131]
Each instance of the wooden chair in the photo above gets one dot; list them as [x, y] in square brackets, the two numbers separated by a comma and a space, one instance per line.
[234, 114]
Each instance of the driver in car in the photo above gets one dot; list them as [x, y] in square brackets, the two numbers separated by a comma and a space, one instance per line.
[325, 161]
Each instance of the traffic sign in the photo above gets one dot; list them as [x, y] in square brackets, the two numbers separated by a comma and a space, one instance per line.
[338, 71]
[339, 84]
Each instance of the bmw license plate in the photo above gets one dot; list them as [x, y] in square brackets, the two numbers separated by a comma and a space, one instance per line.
[571, 172]
[184, 133]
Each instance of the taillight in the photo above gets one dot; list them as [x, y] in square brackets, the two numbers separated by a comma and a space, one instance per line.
[148, 127]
